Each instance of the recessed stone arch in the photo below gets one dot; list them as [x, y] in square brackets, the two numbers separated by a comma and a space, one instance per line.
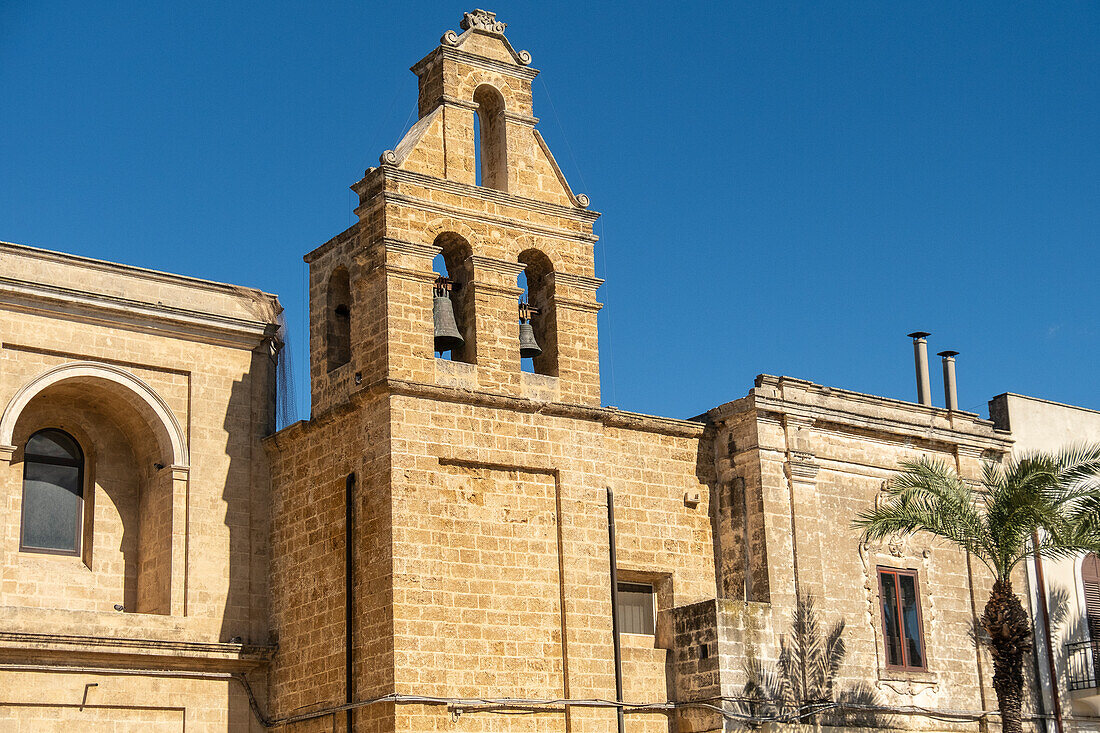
[171, 440]
[492, 128]
[539, 272]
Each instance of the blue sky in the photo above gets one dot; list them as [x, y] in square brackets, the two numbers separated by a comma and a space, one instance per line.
[786, 188]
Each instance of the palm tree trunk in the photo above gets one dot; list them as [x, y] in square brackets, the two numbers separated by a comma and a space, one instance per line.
[1009, 632]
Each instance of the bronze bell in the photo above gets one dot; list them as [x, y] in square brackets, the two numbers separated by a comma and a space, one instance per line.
[528, 347]
[447, 336]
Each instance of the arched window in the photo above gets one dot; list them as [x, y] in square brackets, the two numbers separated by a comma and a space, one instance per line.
[453, 262]
[339, 318]
[53, 493]
[538, 282]
[491, 145]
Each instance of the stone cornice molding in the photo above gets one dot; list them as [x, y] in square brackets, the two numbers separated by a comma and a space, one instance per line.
[381, 388]
[467, 215]
[480, 193]
[883, 415]
[802, 466]
[448, 50]
[339, 239]
[405, 273]
[494, 264]
[135, 314]
[449, 101]
[969, 451]
[580, 305]
[140, 272]
[427, 251]
[122, 652]
[580, 282]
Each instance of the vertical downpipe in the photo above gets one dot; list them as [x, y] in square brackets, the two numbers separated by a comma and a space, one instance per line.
[920, 357]
[349, 596]
[615, 608]
[1056, 702]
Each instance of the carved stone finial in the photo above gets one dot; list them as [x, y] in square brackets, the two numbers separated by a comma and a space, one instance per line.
[388, 157]
[482, 20]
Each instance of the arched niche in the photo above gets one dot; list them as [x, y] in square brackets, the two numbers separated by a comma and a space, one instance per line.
[135, 481]
[120, 385]
[453, 261]
[491, 153]
[338, 318]
[538, 272]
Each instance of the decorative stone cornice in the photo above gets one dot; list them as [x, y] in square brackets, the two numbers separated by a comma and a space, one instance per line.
[6, 452]
[580, 282]
[609, 416]
[427, 251]
[482, 193]
[138, 315]
[494, 264]
[415, 202]
[580, 305]
[110, 651]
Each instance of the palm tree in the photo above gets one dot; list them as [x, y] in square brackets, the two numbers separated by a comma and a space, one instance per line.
[1041, 503]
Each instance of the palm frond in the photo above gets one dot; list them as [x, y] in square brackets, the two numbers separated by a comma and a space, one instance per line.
[928, 496]
[1055, 496]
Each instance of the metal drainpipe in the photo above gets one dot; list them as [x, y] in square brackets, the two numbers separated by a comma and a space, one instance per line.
[615, 608]
[349, 596]
[1055, 700]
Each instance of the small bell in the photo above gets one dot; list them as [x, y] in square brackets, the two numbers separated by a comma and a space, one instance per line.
[447, 336]
[528, 347]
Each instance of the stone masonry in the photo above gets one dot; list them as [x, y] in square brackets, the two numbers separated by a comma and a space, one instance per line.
[429, 551]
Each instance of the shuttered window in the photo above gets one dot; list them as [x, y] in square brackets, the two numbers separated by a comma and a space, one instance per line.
[902, 626]
[1090, 578]
[635, 608]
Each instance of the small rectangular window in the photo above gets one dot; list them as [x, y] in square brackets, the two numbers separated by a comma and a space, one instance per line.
[635, 608]
[902, 632]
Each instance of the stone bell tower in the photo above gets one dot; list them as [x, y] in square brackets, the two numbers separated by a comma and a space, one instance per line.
[474, 181]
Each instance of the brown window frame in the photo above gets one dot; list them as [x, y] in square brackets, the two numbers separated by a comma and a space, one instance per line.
[905, 666]
[80, 465]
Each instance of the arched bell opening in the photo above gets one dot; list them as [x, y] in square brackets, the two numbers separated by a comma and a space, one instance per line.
[453, 317]
[490, 139]
[338, 318]
[125, 497]
[537, 314]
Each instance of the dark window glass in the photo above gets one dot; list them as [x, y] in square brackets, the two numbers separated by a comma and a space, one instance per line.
[914, 652]
[635, 608]
[890, 630]
[53, 493]
[901, 620]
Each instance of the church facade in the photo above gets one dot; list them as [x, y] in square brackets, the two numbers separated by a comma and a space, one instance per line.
[432, 549]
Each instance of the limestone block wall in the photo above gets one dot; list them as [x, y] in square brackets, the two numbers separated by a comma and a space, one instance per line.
[167, 383]
[311, 463]
[38, 702]
[816, 458]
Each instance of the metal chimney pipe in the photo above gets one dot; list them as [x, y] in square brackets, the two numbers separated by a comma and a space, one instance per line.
[950, 393]
[920, 356]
